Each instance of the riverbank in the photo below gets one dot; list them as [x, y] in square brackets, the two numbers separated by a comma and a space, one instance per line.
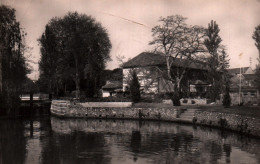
[243, 124]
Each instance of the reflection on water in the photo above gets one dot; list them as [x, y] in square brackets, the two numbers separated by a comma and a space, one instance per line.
[52, 140]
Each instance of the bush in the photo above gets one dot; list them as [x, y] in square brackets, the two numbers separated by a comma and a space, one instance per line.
[135, 88]
[185, 101]
[193, 102]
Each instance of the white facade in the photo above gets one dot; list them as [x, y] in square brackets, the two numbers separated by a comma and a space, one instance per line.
[105, 93]
[148, 79]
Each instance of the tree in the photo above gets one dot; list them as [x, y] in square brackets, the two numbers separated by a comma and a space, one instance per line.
[226, 78]
[223, 61]
[256, 37]
[257, 80]
[175, 40]
[13, 68]
[135, 88]
[223, 69]
[212, 42]
[80, 53]
[49, 59]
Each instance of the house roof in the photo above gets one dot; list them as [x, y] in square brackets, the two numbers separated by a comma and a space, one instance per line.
[151, 59]
[237, 70]
[112, 85]
[145, 59]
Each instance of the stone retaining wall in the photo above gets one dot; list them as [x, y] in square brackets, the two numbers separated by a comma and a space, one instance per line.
[68, 109]
[239, 123]
[106, 104]
[243, 124]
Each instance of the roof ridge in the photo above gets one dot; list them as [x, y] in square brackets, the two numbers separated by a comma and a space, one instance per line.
[154, 59]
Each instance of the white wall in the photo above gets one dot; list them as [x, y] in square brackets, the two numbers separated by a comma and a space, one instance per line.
[105, 93]
[147, 79]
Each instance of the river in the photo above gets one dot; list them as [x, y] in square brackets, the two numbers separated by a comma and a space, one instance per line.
[51, 140]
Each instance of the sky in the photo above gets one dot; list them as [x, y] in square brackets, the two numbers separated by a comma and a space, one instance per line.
[129, 23]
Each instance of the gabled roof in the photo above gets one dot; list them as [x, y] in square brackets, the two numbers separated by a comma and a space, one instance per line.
[145, 59]
[151, 59]
[237, 70]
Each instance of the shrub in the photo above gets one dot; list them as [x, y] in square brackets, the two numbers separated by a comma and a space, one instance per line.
[135, 88]
[193, 102]
[185, 101]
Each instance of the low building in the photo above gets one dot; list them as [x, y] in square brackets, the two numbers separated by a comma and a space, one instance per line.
[242, 88]
[150, 69]
[241, 70]
[111, 88]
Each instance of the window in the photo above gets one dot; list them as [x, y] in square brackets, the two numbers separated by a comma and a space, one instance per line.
[245, 94]
[253, 93]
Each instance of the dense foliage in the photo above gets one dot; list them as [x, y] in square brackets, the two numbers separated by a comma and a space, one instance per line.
[135, 88]
[256, 37]
[13, 68]
[113, 75]
[74, 51]
[217, 62]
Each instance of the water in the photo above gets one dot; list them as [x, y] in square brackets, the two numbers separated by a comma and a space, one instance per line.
[67, 141]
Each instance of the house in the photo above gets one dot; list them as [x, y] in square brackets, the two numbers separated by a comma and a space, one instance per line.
[242, 70]
[111, 88]
[242, 88]
[151, 72]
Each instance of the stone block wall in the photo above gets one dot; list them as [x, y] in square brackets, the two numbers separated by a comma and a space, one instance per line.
[68, 109]
[239, 123]
[106, 104]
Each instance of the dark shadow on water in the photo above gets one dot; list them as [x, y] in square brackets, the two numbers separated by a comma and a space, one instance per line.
[12, 141]
[45, 139]
[135, 145]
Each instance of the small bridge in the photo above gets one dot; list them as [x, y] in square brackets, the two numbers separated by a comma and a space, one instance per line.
[35, 99]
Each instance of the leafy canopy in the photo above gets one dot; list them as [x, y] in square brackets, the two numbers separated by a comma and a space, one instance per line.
[13, 66]
[76, 48]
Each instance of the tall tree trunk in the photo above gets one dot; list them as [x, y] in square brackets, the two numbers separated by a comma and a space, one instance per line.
[168, 68]
[176, 95]
[77, 78]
